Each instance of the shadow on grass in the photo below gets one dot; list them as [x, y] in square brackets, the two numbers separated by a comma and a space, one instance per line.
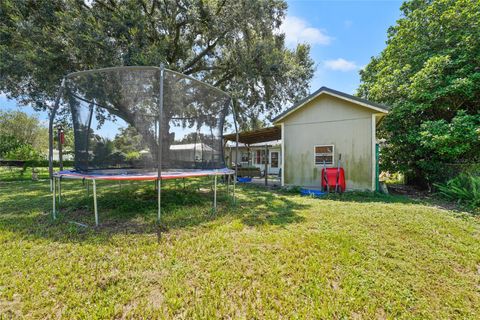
[132, 208]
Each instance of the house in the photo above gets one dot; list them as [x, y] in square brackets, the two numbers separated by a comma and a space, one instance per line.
[316, 130]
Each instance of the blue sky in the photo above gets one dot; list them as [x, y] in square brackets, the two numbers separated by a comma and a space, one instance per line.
[343, 35]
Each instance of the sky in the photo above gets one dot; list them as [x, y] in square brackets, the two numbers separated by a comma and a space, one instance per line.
[343, 36]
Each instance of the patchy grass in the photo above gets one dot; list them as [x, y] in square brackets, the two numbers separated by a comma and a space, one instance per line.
[18, 173]
[272, 255]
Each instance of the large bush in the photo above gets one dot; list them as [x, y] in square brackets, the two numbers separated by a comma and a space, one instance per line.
[429, 74]
[22, 136]
[24, 152]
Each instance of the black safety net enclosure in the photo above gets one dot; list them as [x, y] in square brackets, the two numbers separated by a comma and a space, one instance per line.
[137, 119]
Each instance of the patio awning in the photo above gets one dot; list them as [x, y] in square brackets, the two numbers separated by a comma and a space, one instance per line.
[256, 136]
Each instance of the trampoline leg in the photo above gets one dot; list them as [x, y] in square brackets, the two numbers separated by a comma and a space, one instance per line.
[234, 184]
[159, 200]
[215, 194]
[228, 185]
[54, 214]
[95, 202]
[59, 192]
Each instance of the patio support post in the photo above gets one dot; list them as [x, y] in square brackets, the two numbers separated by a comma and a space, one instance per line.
[266, 165]
[95, 210]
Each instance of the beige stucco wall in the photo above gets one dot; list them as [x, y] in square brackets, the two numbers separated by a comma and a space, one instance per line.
[329, 120]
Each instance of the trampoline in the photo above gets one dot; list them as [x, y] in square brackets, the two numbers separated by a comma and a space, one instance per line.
[140, 124]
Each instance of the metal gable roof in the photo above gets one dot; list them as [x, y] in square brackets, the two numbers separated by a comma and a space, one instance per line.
[342, 95]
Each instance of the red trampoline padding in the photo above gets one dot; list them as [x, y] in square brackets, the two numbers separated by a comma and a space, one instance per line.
[165, 175]
[332, 179]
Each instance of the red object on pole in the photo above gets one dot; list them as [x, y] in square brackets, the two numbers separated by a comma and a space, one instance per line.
[62, 137]
[332, 178]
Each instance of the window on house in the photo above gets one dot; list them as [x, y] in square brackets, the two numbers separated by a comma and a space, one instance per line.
[274, 159]
[244, 157]
[260, 157]
[324, 154]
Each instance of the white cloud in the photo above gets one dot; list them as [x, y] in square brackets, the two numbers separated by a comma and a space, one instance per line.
[297, 31]
[340, 64]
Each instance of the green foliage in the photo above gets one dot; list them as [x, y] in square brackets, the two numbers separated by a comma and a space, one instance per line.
[128, 140]
[23, 152]
[234, 45]
[132, 155]
[454, 139]
[464, 189]
[8, 143]
[22, 137]
[429, 75]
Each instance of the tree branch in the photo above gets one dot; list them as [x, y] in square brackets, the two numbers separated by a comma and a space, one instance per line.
[203, 53]
[226, 77]
[200, 68]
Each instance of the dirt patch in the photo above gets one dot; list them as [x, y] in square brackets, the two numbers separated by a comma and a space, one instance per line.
[11, 308]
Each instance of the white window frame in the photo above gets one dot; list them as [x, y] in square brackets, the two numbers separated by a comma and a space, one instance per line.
[315, 155]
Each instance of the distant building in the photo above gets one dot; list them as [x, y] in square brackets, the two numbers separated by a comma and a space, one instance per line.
[189, 151]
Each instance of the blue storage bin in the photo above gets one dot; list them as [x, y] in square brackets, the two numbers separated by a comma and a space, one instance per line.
[311, 192]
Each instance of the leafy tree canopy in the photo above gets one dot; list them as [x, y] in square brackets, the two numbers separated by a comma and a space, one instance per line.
[232, 44]
[430, 74]
[22, 137]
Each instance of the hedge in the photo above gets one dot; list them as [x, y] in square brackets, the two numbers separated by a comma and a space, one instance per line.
[33, 163]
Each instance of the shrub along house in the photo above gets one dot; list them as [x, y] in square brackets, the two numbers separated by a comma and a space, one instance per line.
[318, 129]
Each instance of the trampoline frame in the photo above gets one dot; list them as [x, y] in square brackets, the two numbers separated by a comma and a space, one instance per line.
[56, 177]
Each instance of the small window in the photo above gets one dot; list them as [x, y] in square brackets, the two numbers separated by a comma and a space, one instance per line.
[274, 159]
[260, 156]
[245, 157]
[324, 155]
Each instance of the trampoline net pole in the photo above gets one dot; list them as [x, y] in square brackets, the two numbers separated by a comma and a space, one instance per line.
[236, 150]
[50, 131]
[159, 145]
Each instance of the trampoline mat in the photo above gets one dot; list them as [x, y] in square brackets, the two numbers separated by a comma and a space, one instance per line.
[135, 175]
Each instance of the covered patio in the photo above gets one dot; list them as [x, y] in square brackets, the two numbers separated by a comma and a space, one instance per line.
[255, 137]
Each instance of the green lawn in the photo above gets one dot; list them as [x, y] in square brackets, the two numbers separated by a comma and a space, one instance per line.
[272, 255]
